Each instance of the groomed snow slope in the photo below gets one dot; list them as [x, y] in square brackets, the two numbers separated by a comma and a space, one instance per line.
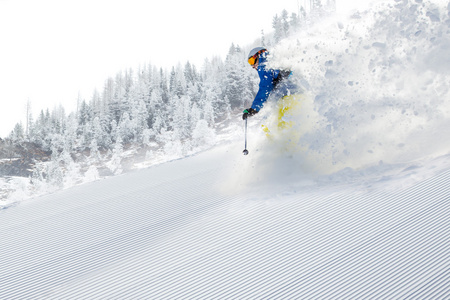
[172, 232]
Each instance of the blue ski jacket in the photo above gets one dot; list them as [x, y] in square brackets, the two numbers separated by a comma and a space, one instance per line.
[271, 81]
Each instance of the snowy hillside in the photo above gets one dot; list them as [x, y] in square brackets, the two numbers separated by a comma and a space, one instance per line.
[179, 231]
[351, 202]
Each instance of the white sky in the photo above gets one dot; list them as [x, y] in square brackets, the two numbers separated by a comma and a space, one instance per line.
[50, 50]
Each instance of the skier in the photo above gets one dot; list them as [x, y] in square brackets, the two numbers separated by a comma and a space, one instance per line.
[271, 80]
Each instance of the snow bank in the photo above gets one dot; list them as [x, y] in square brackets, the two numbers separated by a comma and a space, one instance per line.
[376, 88]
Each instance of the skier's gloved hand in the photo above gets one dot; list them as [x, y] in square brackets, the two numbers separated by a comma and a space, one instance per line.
[248, 113]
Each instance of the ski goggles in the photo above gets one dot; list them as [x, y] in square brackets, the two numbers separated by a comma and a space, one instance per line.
[252, 59]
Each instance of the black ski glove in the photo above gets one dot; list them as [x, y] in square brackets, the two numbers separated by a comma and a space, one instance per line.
[248, 113]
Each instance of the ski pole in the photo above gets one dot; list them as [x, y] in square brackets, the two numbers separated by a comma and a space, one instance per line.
[245, 149]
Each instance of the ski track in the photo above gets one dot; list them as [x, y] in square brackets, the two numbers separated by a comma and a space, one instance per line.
[167, 233]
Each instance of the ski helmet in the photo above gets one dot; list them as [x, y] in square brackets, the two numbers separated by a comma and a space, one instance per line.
[253, 54]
